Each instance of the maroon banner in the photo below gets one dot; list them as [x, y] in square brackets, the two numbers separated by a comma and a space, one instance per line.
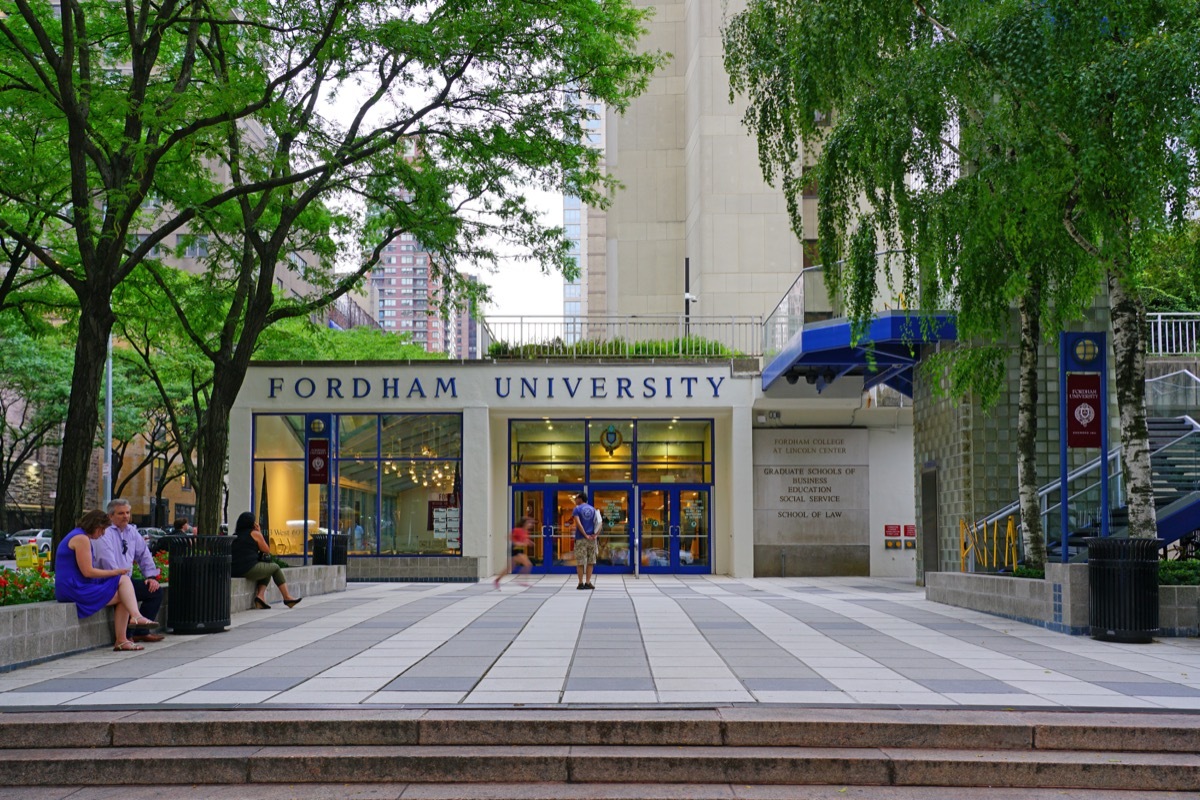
[1083, 410]
[318, 461]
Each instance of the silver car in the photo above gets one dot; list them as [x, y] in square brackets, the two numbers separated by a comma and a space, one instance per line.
[39, 537]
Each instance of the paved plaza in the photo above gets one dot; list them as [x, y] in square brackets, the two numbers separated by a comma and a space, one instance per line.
[660, 640]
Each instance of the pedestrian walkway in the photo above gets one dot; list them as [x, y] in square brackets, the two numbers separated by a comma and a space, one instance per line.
[633, 642]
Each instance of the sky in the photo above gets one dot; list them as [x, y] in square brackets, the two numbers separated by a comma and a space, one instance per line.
[519, 288]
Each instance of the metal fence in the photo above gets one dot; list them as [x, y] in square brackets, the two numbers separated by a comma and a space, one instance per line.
[1173, 334]
[639, 336]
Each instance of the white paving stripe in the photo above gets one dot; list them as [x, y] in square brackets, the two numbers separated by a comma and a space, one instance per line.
[672, 639]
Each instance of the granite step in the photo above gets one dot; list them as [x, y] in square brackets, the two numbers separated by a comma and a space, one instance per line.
[731, 746]
[646, 764]
[577, 791]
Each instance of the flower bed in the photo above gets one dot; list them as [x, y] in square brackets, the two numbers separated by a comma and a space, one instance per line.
[29, 585]
[36, 584]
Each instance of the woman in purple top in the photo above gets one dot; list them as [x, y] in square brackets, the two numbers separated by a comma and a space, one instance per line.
[77, 581]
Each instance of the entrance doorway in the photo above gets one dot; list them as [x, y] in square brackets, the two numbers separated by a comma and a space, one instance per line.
[674, 524]
[669, 533]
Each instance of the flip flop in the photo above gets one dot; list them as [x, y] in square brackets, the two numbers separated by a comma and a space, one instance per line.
[142, 622]
[127, 646]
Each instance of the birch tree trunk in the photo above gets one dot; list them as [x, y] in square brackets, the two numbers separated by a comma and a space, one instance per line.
[1027, 427]
[1129, 355]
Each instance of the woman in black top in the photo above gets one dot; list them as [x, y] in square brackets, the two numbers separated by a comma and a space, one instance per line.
[249, 545]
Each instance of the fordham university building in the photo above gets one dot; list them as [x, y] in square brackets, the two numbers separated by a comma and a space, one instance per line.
[425, 467]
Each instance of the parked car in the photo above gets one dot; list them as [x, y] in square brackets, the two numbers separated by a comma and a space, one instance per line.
[8, 547]
[152, 535]
[40, 537]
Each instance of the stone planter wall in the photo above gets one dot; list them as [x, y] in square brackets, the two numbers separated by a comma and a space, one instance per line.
[37, 632]
[1057, 603]
[1179, 610]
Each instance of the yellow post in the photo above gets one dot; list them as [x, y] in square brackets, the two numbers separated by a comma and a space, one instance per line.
[1010, 542]
[995, 536]
[962, 546]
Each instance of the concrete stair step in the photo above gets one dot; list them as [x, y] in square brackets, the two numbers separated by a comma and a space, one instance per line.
[795, 766]
[576, 791]
[742, 727]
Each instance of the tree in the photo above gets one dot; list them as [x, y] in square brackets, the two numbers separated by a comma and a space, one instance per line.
[186, 119]
[1086, 116]
[34, 388]
[301, 339]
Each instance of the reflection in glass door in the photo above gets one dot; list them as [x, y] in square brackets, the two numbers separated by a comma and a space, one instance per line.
[693, 553]
[552, 545]
[614, 541]
[675, 530]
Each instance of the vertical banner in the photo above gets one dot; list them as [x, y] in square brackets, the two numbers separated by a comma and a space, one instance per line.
[1082, 416]
[318, 435]
[318, 461]
[1083, 410]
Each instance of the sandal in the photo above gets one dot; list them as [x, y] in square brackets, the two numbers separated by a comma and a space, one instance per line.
[292, 603]
[260, 603]
[142, 622]
[126, 646]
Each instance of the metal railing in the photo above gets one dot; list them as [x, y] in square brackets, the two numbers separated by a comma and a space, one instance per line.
[1173, 334]
[808, 301]
[637, 336]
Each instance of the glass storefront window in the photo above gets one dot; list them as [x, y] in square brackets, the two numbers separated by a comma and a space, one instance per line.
[419, 513]
[279, 436]
[674, 451]
[404, 502]
[357, 491]
[421, 436]
[280, 504]
[547, 451]
[610, 449]
[358, 435]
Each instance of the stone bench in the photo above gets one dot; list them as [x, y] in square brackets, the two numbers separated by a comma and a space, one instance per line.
[36, 632]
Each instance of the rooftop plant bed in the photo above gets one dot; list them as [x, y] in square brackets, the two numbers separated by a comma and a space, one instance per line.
[684, 347]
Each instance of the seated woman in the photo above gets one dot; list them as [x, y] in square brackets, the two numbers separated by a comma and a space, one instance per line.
[90, 588]
[249, 546]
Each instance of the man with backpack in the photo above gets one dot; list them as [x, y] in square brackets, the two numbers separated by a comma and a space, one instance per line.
[587, 527]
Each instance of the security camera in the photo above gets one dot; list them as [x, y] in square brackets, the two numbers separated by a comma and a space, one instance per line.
[691, 297]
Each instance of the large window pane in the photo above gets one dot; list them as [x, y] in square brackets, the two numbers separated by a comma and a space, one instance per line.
[547, 451]
[422, 436]
[279, 504]
[610, 447]
[420, 513]
[357, 491]
[675, 451]
[279, 436]
[358, 435]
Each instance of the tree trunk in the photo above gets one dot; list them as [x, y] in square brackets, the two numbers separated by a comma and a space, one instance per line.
[212, 450]
[1129, 354]
[1027, 427]
[79, 437]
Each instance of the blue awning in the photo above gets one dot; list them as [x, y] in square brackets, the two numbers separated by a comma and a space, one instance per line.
[822, 352]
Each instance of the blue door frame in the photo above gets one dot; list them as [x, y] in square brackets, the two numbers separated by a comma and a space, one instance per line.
[675, 524]
[669, 534]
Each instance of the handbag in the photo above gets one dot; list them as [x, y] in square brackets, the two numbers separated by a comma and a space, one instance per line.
[265, 558]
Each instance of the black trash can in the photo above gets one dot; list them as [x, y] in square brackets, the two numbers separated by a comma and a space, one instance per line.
[1123, 588]
[340, 543]
[198, 599]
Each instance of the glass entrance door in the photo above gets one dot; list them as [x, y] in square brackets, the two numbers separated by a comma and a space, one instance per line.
[675, 529]
[614, 544]
[552, 544]
[552, 548]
